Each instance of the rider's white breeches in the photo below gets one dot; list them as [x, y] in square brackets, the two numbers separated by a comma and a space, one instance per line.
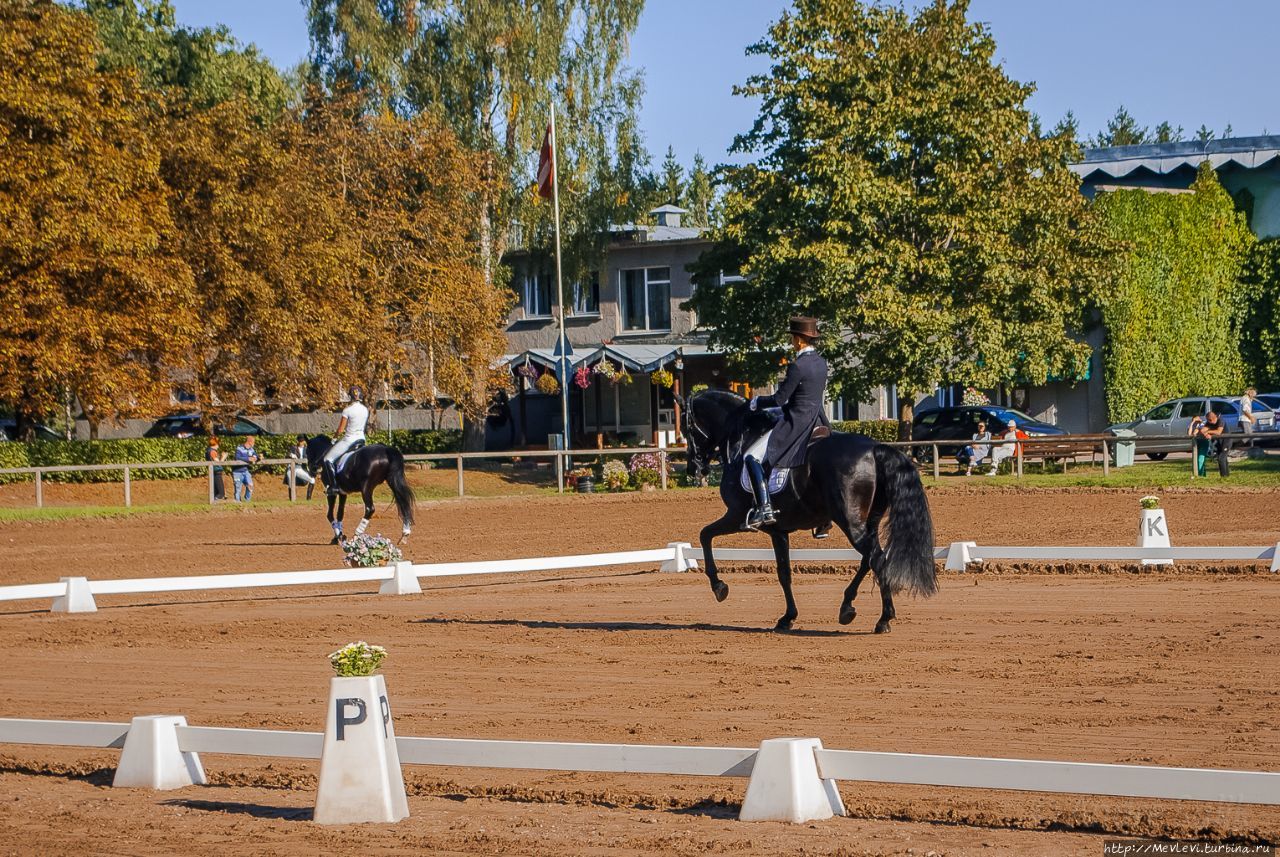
[337, 449]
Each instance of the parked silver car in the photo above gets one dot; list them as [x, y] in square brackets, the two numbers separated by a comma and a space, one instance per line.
[1174, 418]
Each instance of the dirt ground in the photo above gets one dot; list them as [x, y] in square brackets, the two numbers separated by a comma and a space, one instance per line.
[1109, 664]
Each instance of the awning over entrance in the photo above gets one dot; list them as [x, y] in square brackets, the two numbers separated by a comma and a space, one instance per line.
[639, 357]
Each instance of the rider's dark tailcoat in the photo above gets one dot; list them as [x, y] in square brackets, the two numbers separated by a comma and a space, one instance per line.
[800, 396]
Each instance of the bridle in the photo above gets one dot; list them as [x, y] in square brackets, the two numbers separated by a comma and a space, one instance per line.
[694, 432]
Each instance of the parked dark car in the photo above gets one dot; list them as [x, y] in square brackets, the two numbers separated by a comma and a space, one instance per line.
[9, 431]
[188, 425]
[961, 424]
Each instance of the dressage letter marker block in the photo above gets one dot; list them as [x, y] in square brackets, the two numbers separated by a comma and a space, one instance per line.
[79, 599]
[151, 758]
[360, 779]
[785, 785]
[1153, 532]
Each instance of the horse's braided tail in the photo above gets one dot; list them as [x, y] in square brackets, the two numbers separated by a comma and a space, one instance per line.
[908, 562]
[399, 487]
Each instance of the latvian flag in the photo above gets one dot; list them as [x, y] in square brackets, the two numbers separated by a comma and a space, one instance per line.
[546, 167]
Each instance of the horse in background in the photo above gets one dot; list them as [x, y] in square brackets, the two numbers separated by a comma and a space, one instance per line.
[848, 479]
[364, 469]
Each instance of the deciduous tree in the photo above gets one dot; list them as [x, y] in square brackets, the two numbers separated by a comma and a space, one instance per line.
[901, 195]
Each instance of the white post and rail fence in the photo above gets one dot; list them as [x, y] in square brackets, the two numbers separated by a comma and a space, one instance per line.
[1062, 448]
[78, 594]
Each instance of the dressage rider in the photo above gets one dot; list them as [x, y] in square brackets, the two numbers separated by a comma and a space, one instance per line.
[351, 429]
[800, 396]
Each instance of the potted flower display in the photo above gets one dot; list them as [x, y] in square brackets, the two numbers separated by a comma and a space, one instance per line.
[583, 479]
[646, 470]
[357, 659]
[615, 475]
[1149, 502]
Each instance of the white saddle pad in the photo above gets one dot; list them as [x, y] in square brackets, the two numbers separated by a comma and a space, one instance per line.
[775, 481]
[342, 460]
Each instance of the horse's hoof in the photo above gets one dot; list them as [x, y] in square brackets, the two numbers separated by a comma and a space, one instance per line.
[784, 624]
[721, 590]
[335, 541]
[848, 614]
[883, 628]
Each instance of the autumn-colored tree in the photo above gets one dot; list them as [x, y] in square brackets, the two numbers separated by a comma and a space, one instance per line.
[92, 301]
[411, 194]
[902, 194]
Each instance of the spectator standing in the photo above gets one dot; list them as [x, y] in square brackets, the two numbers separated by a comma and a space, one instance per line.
[1207, 432]
[301, 472]
[1247, 421]
[241, 476]
[212, 452]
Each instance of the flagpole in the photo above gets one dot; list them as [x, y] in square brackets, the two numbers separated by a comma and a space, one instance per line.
[564, 344]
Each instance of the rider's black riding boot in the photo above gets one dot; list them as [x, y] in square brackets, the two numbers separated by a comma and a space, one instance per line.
[330, 479]
[762, 514]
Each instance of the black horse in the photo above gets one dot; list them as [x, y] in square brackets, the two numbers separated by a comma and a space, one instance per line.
[848, 479]
[365, 469]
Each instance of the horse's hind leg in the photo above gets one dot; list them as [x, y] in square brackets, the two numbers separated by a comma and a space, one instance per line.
[367, 494]
[886, 597]
[867, 545]
[722, 527]
[782, 553]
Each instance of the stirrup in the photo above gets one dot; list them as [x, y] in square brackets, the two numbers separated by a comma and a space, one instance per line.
[823, 532]
[761, 516]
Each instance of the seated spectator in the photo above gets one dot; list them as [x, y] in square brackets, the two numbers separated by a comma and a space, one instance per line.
[1009, 448]
[974, 454]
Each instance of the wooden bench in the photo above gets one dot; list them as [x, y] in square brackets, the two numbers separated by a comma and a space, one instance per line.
[1066, 448]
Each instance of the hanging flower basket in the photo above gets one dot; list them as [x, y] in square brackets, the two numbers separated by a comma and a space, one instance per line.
[582, 377]
[606, 369]
[623, 377]
[547, 384]
[662, 378]
[527, 370]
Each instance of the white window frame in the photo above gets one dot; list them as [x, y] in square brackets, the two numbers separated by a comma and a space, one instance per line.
[529, 290]
[580, 288]
[622, 296]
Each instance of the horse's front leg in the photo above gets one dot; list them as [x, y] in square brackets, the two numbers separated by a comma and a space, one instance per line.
[335, 522]
[342, 510]
[367, 494]
[782, 553]
[722, 527]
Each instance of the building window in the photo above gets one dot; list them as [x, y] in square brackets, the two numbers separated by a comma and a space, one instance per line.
[536, 296]
[586, 295]
[646, 299]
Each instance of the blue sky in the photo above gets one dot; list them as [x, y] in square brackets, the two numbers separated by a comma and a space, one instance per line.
[1189, 63]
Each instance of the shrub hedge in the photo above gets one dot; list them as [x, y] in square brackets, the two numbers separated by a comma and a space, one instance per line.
[885, 431]
[44, 453]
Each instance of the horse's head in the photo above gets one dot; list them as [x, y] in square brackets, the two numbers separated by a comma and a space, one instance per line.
[707, 427]
[316, 448]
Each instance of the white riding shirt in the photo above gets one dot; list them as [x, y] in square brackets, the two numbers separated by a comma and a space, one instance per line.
[357, 417]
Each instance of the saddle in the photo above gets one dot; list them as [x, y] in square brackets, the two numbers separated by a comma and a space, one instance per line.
[342, 459]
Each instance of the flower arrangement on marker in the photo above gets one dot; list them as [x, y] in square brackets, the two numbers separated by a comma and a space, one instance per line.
[974, 398]
[1150, 502]
[366, 551]
[357, 659]
[547, 384]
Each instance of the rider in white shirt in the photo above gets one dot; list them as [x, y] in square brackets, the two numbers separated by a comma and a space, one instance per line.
[351, 428]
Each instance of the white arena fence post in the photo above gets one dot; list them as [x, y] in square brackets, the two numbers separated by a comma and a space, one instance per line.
[785, 785]
[959, 555]
[152, 759]
[1153, 532]
[78, 598]
[679, 560]
[360, 777]
[403, 581]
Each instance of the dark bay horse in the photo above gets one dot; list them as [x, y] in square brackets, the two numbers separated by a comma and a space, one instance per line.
[365, 469]
[848, 479]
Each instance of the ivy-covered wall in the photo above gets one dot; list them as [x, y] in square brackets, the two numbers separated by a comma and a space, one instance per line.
[1260, 324]
[1172, 316]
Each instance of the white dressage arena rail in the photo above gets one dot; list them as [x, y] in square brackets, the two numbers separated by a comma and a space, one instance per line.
[1205, 784]
[76, 594]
